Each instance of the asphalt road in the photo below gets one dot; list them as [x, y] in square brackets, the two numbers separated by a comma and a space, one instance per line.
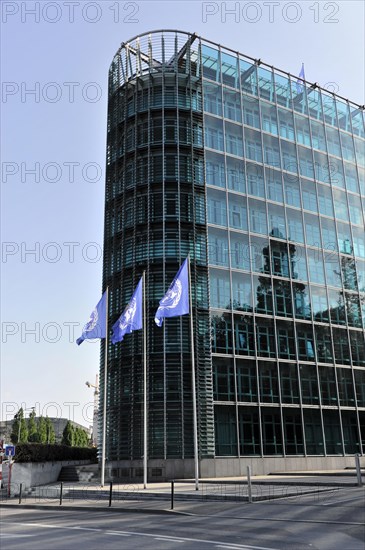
[337, 523]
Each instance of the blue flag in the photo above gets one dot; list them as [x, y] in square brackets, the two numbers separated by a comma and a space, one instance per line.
[176, 300]
[300, 84]
[131, 318]
[96, 325]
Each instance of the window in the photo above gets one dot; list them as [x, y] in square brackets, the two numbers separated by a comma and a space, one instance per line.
[237, 211]
[258, 223]
[217, 208]
[244, 336]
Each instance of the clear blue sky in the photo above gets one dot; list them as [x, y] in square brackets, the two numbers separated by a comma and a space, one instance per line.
[327, 36]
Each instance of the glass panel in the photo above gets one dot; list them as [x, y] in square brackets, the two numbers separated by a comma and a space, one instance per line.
[260, 255]
[359, 241]
[352, 182]
[333, 141]
[218, 247]
[248, 77]
[313, 432]
[249, 428]
[302, 308]
[298, 263]
[344, 118]
[269, 118]
[341, 345]
[223, 379]
[329, 237]
[210, 62]
[305, 342]
[215, 169]
[262, 295]
[285, 339]
[295, 225]
[328, 385]
[246, 380]
[276, 216]
[325, 200]
[212, 94]
[232, 105]
[229, 70]
[258, 222]
[332, 268]
[271, 432]
[274, 186]
[221, 333]
[240, 251]
[253, 148]
[234, 140]
[318, 136]
[220, 289]
[271, 151]
[241, 291]
[265, 339]
[266, 84]
[289, 383]
[323, 344]
[282, 87]
[251, 114]
[237, 206]
[217, 207]
[358, 121]
[306, 163]
[236, 180]
[225, 430]
[244, 335]
[255, 180]
[302, 130]
[213, 133]
[292, 190]
[315, 265]
[350, 432]
[314, 103]
[279, 258]
[357, 347]
[319, 304]
[344, 238]
[348, 149]
[289, 157]
[360, 387]
[337, 307]
[286, 124]
[282, 298]
[309, 384]
[341, 210]
[312, 230]
[332, 431]
[268, 376]
[309, 195]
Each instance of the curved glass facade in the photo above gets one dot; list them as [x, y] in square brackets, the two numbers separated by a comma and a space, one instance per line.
[261, 177]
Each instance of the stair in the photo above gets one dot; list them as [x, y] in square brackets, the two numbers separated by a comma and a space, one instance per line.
[86, 473]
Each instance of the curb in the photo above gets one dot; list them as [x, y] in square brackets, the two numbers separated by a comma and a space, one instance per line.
[87, 508]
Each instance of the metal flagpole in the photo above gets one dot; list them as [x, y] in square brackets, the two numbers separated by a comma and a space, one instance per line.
[195, 420]
[105, 390]
[144, 385]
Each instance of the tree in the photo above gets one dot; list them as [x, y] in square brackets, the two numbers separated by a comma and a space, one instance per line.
[42, 430]
[68, 435]
[51, 436]
[19, 432]
[81, 438]
[32, 427]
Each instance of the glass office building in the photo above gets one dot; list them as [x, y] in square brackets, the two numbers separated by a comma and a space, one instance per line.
[260, 176]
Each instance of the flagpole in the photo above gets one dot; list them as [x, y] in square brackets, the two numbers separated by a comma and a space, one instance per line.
[105, 391]
[144, 385]
[195, 421]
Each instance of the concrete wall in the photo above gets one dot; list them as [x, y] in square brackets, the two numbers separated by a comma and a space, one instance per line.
[32, 474]
[159, 470]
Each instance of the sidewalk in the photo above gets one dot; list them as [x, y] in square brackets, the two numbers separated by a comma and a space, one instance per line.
[157, 497]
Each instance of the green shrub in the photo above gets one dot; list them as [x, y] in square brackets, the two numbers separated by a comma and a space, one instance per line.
[38, 452]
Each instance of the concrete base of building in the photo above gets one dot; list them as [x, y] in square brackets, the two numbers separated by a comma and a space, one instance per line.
[165, 470]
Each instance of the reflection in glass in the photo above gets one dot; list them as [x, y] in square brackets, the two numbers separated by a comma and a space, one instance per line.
[285, 339]
[268, 376]
[244, 335]
[289, 383]
[323, 344]
[341, 345]
[309, 384]
[262, 294]
[241, 291]
[246, 380]
[302, 308]
[265, 338]
[220, 289]
[328, 385]
[221, 333]
[319, 304]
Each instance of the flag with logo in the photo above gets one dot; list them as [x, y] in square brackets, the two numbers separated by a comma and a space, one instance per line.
[96, 325]
[176, 300]
[131, 318]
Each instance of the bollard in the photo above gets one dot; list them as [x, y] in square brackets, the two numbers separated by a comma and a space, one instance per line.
[110, 493]
[358, 470]
[249, 486]
[172, 494]
[61, 493]
[20, 493]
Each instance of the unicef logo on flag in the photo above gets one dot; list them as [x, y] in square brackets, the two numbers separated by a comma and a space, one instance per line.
[127, 318]
[92, 322]
[172, 296]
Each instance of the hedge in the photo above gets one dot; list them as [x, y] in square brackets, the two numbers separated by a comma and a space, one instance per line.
[39, 452]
